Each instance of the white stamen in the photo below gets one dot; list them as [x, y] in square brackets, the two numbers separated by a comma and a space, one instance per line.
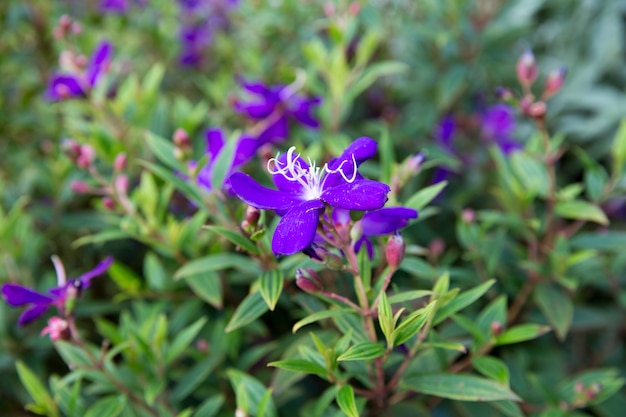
[312, 179]
[60, 270]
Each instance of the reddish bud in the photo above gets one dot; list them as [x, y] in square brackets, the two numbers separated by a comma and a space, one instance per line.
[71, 148]
[354, 8]
[57, 328]
[395, 250]
[65, 21]
[108, 203]
[77, 27]
[527, 69]
[436, 248]
[537, 110]
[181, 138]
[496, 328]
[554, 82]
[468, 215]
[252, 215]
[579, 387]
[80, 61]
[86, 156]
[119, 164]
[121, 184]
[202, 345]
[308, 281]
[80, 187]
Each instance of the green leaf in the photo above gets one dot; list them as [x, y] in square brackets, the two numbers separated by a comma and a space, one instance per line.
[155, 274]
[251, 308]
[581, 210]
[372, 73]
[409, 296]
[124, 277]
[492, 368]
[235, 238]
[73, 355]
[531, 173]
[462, 300]
[271, 287]
[459, 347]
[556, 306]
[190, 191]
[385, 318]
[618, 150]
[266, 406]
[189, 381]
[320, 315]
[412, 324]
[459, 387]
[363, 351]
[110, 406]
[300, 365]
[183, 340]
[420, 199]
[346, 401]
[163, 149]
[217, 262]
[495, 312]
[36, 390]
[508, 408]
[521, 333]
[606, 382]
[210, 407]
[208, 287]
[250, 393]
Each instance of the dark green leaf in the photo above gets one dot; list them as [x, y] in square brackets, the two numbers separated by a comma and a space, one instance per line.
[492, 368]
[521, 333]
[110, 406]
[459, 387]
[251, 308]
[300, 365]
[210, 407]
[217, 262]
[235, 238]
[207, 286]
[183, 340]
[271, 286]
[556, 306]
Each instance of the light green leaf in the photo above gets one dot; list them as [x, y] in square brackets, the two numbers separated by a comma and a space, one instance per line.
[420, 199]
[36, 390]
[531, 173]
[346, 401]
[462, 300]
[492, 368]
[271, 287]
[412, 324]
[459, 387]
[251, 308]
[217, 262]
[300, 365]
[521, 333]
[124, 277]
[155, 273]
[385, 318]
[110, 406]
[320, 315]
[444, 345]
[363, 351]
[618, 150]
[581, 210]
[208, 287]
[235, 238]
[163, 149]
[409, 295]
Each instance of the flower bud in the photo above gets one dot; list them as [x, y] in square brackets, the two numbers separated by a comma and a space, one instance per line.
[71, 148]
[554, 82]
[354, 8]
[121, 184]
[308, 281]
[468, 215]
[108, 203]
[252, 215]
[395, 250]
[80, 187]
[537, 110]
[356, 232]
[579, 387]
[414, 163]
[76, 28]
[527, 69]
[436, 248]
[80, 61]
[65, 21]
[86, 156]
[181, 138]
[57, 328]
[496, 328]
[119, 164]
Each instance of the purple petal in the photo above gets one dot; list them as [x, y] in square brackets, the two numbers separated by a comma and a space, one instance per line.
[275, 132]
[99, 269]
[361, 149]
[98, 62]
[296, 230]
[255, 87]
[508, 145]
[17, 295]
[368, 246]
[114, 6]
[301, 110]
[245, 151]
[498, 121]
[32, 313]
[358, 195]
[64, 86]
[256, 195]
[215, 140]
[445, 131]
[386, 220]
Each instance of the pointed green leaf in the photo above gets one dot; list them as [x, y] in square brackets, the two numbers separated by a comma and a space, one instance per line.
[346, 401]
[618, 150]
[300, 365]
[412, 324]
[459, 387]
[462, 300]
[492, 368]
[409, 296]
[420, 199]
[207, 286]
[581, 210]
[251, 308]
[156, 276]
[321, 315]
[556, 306]
[271, 287]
[110, 406]
[210, 407]
[385, 318]
[521, 333]
[183, 340]
[531, 172]
[217, 262]
[36, 390]
[235, 238]
[363, 351]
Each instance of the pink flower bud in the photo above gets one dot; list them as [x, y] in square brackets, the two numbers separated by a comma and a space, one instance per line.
[436, 248]
[71, 148]
[86, 156]
[252, 215]
[80, 187]
[554, 82]
[121, 184]
[119, 164]
[77, 27]
[80, 61]
[57, 328]
[354, 8]
[329, 9]
[395, 250]
[414, 163]
[181, 138]
[537, 110]
[579, 387]
[527, 69]
[468, 215]
[308, 281]
[65, 21]
[496, 328]
[108, 203]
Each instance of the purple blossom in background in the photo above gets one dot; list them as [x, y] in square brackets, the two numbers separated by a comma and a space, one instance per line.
[273, 106]
[304, 191]
[382, 222]
[444, 132]
[17, 295]
[245, 149]
[200, 20]
[120, 6]
[497, 124]
[63, 86]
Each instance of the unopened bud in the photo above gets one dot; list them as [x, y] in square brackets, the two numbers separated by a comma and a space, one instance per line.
[202, 345]
[414, 163]
[80, 187]
[119, 164]
[356, 232]
[468, 215]
[329, 9]
[121, 184]
[436, 248]
[65, 21]
[395, 250]
[181, 138]
[77, 27]
[80, 61]
[554, 82]
[579, 387]
[57, 328]
[108, 203]
[593, 390]
[354, 8]
[527, 69]
[308, 281]
[86, 156]
[496, 328]
[252, 215]
[71, 148]
[537, 110]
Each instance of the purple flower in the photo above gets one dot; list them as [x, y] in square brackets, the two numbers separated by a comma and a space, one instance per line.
[304, 191]
[17, 295]
[497, 125]
[119, 6]
[274, 106]
[245, 149]
[382, 222]
[63, 86]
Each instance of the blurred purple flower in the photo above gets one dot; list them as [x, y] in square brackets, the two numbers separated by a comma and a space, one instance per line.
[200, 20]
[63, 86]
[245, 149]
[382, 222]
[497, 125]
[304, 191]
[17, 295]
[119, 6]
[274, 106]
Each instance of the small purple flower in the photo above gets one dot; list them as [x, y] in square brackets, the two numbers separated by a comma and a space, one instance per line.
[63, 86]
[119, 6]
[17, 295]
[382, 222]
[304, 191]
[497, 125]
[245, 149]
[274, 106]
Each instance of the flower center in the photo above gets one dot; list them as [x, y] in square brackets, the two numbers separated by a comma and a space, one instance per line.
[311, 178]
